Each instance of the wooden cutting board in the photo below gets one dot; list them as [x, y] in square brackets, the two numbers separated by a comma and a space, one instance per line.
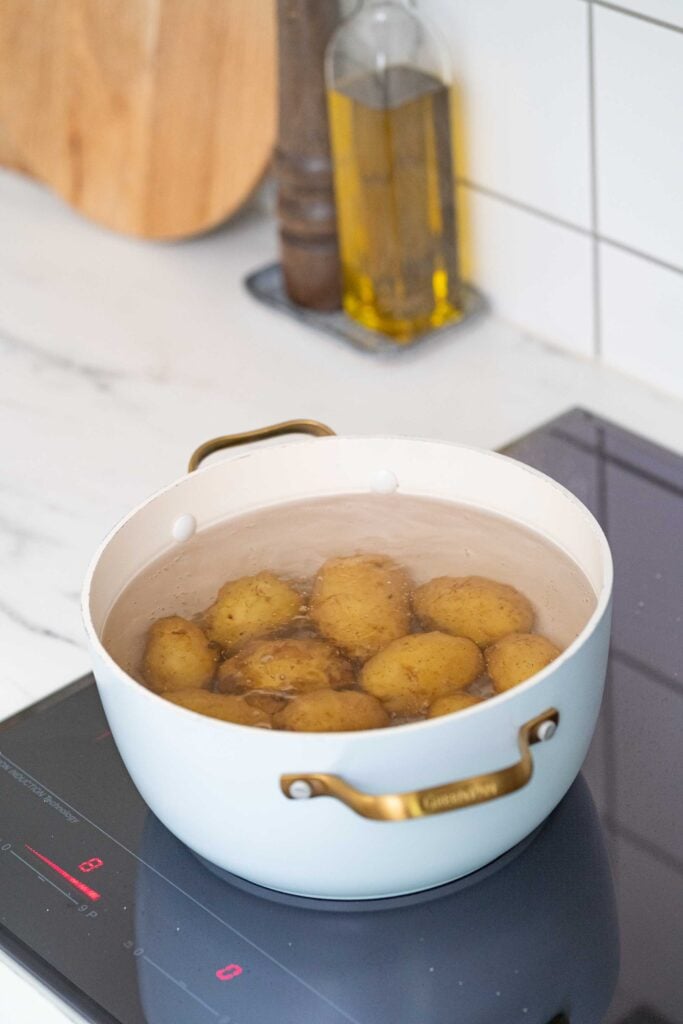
[154, 117]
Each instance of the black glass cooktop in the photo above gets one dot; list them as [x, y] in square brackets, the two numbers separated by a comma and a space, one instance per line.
[581, 923]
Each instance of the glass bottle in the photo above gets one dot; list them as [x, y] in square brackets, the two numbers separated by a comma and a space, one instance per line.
[388, 97]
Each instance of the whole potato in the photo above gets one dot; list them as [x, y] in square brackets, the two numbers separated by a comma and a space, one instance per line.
[332, 711]
[295, 664]
[472, 606]
[517, 657]
[409, 674]
[229, 708]
[361, 603]
[177, 656]
[251, 607]
[452, 702]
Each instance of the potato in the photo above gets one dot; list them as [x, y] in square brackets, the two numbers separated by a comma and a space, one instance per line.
[332, 711]
[268, 702]
[409, 674]
[517, 657]
[452, 702]
[294, 664]
[229, 708]
[361, 603]
[251, 607]
[472, 606]
[177, 656]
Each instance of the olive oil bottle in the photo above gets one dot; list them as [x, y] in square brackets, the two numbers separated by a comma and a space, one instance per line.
[391, 146]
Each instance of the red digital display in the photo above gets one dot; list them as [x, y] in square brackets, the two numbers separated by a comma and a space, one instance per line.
[75, 882]
[229, 972]
[90, 865]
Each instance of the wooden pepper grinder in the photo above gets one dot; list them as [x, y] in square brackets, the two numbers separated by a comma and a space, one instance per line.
[306, 210]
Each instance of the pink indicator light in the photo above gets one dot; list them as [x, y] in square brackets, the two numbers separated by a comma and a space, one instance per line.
[77, 884]
[229, 972]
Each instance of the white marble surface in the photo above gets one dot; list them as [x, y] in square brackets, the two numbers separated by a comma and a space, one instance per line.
[118, 357]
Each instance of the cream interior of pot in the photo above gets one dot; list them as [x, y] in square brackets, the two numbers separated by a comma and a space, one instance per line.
[456, 511]
[426, 536]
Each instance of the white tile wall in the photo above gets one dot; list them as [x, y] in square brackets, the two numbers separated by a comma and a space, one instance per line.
[569, 130]
[520, 72]
[639, 131]
[536, 273]
[642, 318]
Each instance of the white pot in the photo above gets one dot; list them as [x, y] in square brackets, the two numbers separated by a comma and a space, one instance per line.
[218, 786]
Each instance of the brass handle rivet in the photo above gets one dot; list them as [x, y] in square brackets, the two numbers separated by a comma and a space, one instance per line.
[300, 790]
[546, 731]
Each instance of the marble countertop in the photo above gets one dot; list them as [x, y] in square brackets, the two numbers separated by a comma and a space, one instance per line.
[118, 357]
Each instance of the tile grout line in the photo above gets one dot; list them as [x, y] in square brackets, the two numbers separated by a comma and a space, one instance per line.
[518, 204]
[641, 255]
[593, 178]
[637, 15]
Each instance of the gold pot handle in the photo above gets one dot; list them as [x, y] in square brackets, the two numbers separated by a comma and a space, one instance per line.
[277, 429]
[450, 797]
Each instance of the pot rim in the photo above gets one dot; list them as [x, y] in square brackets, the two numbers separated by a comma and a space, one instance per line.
[363, 735]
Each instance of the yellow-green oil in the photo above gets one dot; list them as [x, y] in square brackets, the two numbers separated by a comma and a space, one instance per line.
[395, 201]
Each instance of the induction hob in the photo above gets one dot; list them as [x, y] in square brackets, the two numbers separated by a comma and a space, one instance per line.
[583, 922]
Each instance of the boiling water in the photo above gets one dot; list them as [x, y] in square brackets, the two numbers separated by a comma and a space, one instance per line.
[430, 538]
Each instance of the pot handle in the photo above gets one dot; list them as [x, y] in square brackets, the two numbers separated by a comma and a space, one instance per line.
[450, 797]
[276, 430]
